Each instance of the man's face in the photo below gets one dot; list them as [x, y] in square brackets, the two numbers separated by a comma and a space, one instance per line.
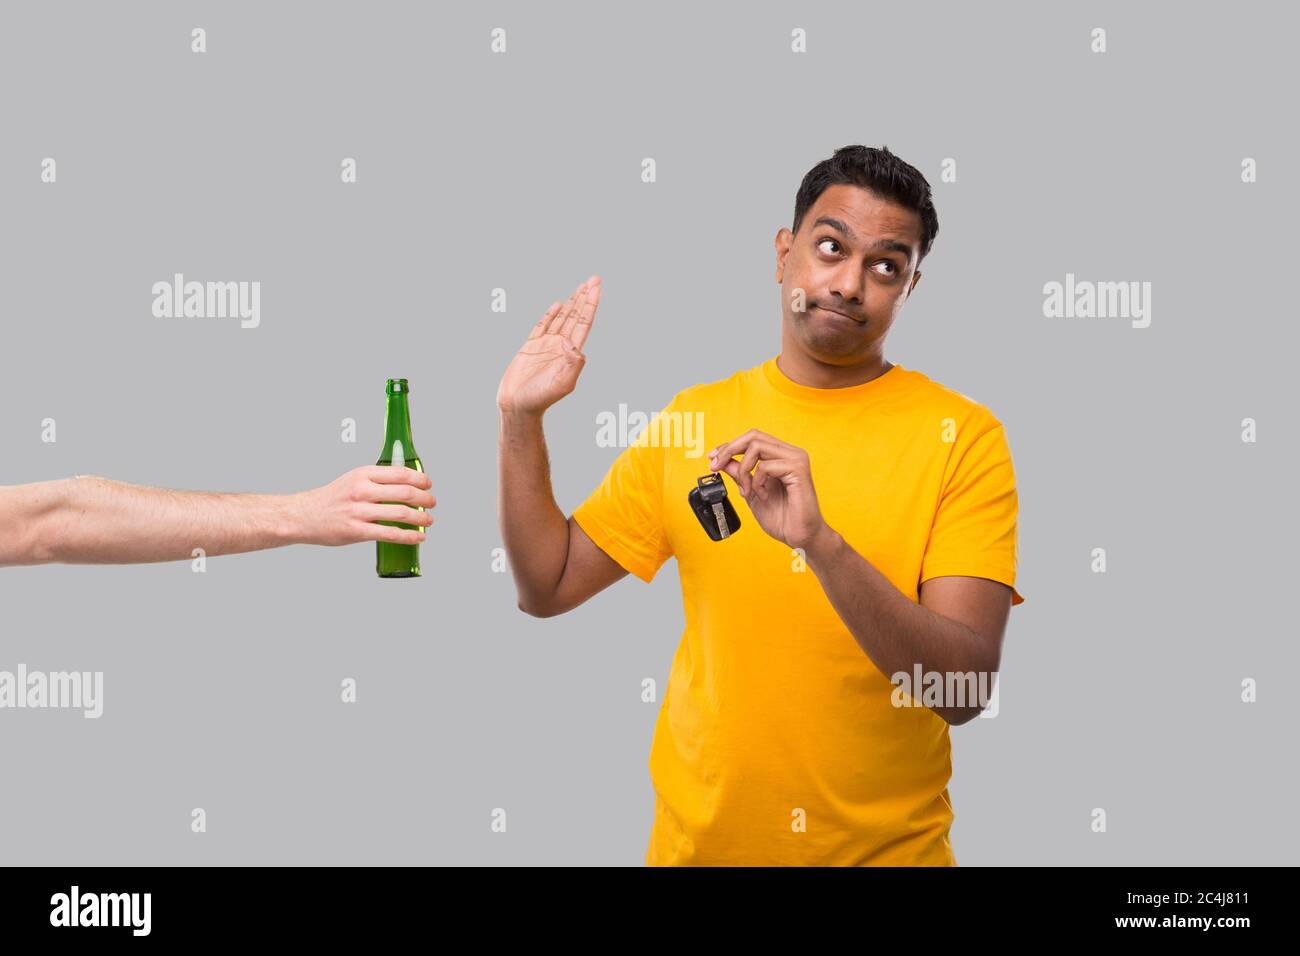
[855, 254]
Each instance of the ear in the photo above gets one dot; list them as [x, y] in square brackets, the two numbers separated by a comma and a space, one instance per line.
[916, 277]
[784, 239]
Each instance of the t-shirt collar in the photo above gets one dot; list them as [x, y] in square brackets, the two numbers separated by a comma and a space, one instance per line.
[828, 396]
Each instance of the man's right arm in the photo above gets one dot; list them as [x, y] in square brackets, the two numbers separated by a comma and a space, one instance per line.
[556, 566]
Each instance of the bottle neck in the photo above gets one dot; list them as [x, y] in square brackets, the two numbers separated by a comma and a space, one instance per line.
[398, 427]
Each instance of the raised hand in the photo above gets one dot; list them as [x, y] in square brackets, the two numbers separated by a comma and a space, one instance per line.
[547, 367]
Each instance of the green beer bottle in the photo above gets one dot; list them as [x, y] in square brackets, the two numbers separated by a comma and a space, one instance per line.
[398, 560]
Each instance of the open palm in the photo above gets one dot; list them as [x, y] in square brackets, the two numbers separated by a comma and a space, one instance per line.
[546, 368]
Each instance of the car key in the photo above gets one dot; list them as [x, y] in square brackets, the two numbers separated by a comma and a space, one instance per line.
[709, 501]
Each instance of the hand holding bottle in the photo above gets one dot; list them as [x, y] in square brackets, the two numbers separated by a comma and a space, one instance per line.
[345, 510]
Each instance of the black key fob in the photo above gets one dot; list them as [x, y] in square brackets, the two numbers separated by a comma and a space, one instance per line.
[709, 502]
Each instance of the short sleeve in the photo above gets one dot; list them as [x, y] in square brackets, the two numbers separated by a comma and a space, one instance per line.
[624, 514]
[975, 527]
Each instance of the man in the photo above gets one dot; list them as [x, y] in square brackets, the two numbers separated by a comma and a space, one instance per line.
[93, 520]
[878, 516]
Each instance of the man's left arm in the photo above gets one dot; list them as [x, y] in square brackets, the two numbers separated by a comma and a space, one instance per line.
[957, 627]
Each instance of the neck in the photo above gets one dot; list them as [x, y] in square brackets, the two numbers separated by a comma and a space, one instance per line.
[803, 369]
[398, 426]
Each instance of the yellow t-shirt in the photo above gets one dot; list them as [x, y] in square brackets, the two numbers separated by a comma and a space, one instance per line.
[777, 742]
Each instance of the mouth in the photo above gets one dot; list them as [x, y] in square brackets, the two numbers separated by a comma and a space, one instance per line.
[822, 308]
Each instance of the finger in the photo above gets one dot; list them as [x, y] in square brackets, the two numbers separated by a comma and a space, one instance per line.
[751, 450]
[384, 532]
[737, 446]
[545, 320]
[587, 315]
[772, 446]
[762, 474]
[747, 464]
[732, 470]
[776, 471]
[775, 447]
[557, 318]
[719, 456]
[401, 513]
[398, 474]
[584, 313]
[571, 313]
[557, 321]
[402, 494]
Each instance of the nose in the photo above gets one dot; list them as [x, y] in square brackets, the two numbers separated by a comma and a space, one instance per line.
[846, 283]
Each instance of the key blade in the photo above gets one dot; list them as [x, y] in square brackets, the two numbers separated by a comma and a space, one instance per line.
[721, 516]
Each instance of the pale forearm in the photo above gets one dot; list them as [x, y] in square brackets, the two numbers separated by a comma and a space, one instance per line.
[93, 520]
[895, 632]
[533, 528]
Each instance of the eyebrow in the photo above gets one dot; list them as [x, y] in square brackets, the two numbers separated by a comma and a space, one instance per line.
[888, 245]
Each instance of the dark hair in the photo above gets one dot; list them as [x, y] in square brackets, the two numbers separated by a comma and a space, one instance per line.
[878, 170]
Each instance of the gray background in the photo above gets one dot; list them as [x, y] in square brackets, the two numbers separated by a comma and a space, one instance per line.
[521, 171]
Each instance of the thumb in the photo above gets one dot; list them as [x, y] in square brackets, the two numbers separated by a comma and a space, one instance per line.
[572, 354]
[566, 376]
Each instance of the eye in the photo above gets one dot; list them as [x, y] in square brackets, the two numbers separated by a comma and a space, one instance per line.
[893, 269]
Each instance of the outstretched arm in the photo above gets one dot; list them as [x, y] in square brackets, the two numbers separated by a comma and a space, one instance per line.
[94, 520]
[555, 565]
